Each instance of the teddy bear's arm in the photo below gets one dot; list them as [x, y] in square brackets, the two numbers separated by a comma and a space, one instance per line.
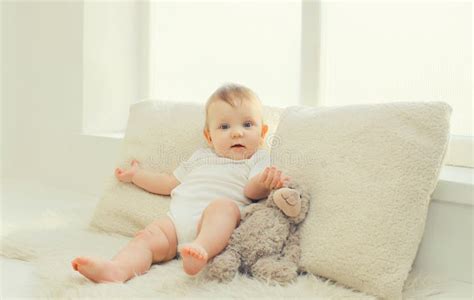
[292, 251]
[250, 209]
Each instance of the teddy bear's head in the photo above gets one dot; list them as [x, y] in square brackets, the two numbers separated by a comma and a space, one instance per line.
[292, 200]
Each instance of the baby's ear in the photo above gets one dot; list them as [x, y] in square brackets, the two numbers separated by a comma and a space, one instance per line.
[207, 136]
[264, 130]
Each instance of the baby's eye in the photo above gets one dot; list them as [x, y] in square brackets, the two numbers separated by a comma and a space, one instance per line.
[248, 124]
[224, 126]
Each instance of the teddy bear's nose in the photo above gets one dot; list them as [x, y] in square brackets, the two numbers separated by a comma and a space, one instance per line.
[290, 198]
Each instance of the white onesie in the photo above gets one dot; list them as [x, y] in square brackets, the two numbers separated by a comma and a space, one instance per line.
[205, 177]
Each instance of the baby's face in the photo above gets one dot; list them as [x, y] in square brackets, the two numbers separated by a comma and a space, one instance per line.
[235, 132]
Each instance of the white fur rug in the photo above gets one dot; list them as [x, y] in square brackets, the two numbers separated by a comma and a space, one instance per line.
[51, 242]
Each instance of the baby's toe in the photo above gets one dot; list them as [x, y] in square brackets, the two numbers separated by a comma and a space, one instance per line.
[74, 265]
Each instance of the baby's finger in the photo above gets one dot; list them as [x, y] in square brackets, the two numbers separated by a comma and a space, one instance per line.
[118, 171]
[283, 179]
[279, 185]
[269, 179]
[264, 175]
[276, 179]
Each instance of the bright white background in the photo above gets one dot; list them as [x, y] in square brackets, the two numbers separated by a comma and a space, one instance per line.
[74, 67]
[197, 46]
[289, 52]
[394, 51]
[69, 70]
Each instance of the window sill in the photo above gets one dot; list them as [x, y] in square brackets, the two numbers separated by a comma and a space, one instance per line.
[455, 184]
[108, 135]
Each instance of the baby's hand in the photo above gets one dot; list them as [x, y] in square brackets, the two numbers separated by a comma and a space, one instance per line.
[272, 178]
[127, 176]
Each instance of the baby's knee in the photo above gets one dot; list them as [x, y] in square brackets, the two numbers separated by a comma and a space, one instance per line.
[227, 206]
[156, 241]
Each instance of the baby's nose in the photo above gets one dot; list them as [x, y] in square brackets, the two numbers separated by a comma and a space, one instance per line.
[237, 132]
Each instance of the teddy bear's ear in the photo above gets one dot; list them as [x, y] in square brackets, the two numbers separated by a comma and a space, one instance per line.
[292, 185]
[305, 202]
[269, 200]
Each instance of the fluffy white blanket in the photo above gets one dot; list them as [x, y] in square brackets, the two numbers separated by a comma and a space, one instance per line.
[51, 242]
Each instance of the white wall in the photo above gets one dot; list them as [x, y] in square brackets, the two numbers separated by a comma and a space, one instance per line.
[42, 98]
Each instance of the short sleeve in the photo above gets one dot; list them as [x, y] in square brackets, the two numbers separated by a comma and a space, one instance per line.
[186, 166]
[262, 160]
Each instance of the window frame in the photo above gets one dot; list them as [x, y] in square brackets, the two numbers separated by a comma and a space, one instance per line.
[460, 151]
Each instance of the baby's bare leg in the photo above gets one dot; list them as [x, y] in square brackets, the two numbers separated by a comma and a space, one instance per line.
[156, 243]
[217, 223]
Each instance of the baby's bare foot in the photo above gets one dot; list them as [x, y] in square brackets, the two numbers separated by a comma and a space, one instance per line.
[194, 258]
[99, 270]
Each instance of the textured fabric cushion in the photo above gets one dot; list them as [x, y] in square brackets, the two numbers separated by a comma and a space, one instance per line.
[371, 170]
[159, 135]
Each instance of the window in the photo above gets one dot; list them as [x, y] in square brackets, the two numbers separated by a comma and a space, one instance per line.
[400, 51]
[197, 46]
[290, 52]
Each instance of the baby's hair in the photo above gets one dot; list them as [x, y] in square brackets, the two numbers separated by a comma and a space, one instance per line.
[233, 94]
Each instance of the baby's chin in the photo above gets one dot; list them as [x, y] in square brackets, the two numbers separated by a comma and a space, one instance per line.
[237, 154]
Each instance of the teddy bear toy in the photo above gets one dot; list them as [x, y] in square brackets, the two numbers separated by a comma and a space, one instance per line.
[266, 243]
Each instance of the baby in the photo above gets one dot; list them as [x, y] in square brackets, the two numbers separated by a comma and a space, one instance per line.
[207, 192]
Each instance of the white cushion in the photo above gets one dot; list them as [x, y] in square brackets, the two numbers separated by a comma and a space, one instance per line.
[371, 170]
[159, 135]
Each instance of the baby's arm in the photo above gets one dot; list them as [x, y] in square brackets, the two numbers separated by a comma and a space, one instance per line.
[261, 184]
[157, 183]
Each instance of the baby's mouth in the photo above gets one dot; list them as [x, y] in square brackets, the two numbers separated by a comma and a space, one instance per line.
[239, 146]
